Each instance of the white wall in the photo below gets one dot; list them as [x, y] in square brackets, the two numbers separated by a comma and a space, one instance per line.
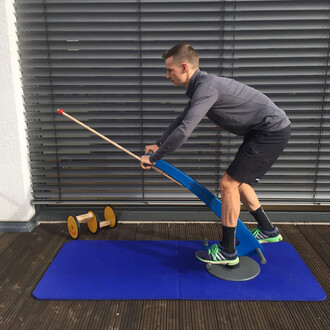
[15, 182]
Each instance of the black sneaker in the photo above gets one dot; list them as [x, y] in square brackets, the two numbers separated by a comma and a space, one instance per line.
[264, 236]
[215, 254]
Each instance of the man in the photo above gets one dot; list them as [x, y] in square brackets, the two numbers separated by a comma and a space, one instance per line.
[243, 111]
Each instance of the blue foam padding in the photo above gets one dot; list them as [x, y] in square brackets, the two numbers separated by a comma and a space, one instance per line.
[108, 270]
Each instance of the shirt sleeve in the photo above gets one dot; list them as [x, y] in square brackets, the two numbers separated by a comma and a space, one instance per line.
[203, 99]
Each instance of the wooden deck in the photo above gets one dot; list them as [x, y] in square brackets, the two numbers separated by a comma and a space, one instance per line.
[24, 257]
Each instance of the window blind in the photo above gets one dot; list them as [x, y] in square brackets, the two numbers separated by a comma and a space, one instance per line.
[101, 62]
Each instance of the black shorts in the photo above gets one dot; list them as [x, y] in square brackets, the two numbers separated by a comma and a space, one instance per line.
[257, 154]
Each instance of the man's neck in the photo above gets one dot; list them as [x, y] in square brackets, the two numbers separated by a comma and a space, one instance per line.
[190, 74]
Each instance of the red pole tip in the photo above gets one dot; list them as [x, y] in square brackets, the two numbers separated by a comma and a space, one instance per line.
[60, 111]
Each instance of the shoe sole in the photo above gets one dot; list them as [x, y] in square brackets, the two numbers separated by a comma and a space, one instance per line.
[272, 239]
[224, 262]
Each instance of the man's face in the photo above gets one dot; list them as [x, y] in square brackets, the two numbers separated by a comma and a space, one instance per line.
[175, 73]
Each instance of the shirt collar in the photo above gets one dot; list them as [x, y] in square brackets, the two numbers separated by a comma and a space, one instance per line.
[192, 83]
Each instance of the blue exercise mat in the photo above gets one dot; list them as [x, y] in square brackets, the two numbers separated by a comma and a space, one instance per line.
[107, 270]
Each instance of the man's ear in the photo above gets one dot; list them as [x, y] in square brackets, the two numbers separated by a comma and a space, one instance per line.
[185, 67]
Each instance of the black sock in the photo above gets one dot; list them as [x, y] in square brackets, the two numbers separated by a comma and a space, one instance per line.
[228, 238]
[262, 219]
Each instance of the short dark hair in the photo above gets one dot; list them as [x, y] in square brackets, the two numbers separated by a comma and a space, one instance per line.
[183, 53]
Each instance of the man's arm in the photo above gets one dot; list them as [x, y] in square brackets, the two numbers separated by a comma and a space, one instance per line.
[145, 162]
[204, 98]
[172, 127]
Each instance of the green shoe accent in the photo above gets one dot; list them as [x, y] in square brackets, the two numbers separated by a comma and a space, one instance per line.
[275, 239]
[213, 251]
[218, 262]
[256, 233]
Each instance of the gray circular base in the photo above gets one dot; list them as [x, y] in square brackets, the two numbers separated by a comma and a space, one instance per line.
[247, 269]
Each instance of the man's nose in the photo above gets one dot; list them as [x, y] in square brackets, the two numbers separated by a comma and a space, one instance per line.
[168, 76]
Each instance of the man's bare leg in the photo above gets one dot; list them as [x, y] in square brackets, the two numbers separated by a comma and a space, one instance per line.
[248, 197]
[226, 252]
[252, 204]
[230, 199]
[230, 209]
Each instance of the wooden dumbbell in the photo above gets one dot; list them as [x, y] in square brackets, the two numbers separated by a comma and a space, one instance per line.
[73, 222]
[109, 220]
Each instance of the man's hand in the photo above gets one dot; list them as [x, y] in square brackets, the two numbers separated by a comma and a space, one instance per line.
[145, 162]
[153, 148]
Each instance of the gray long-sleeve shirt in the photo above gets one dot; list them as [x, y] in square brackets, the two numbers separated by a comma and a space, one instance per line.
[234, 106]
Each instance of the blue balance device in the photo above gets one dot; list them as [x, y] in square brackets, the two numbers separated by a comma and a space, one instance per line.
[247, 243]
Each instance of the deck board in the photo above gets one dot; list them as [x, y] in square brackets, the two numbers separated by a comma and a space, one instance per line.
[24, 257]
[318, 237]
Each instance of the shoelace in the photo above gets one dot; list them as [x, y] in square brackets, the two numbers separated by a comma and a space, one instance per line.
[213, 250]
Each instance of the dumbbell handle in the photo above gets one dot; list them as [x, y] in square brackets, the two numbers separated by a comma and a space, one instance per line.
[104, 223]
[84, 217]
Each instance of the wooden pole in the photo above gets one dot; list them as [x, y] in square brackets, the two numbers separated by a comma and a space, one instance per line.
[61, 112]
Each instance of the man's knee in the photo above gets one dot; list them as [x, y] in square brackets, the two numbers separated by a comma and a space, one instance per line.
[227, 183]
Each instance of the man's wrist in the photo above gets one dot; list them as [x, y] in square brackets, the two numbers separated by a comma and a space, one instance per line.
[151, 159]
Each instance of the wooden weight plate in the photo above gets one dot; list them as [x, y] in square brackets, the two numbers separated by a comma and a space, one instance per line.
[109, 214]
[94, 223]
[73, 226]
